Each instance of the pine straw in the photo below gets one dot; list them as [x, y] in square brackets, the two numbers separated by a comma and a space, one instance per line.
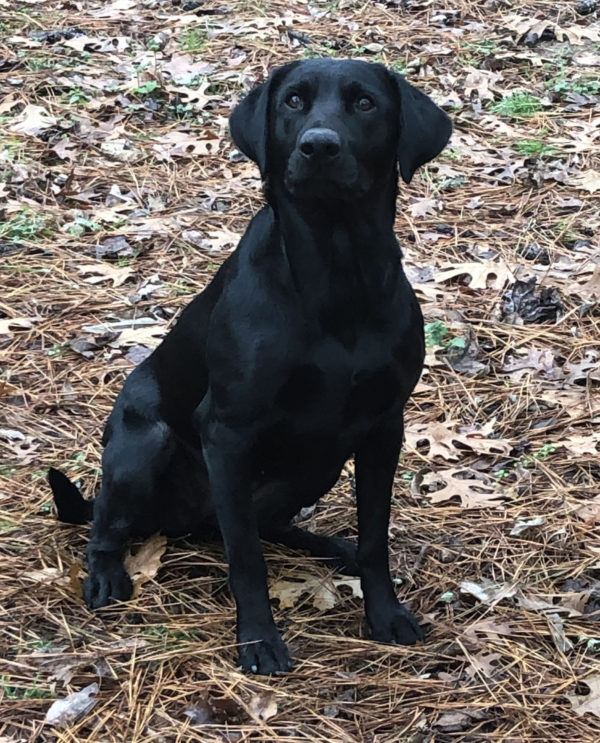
[488, 671]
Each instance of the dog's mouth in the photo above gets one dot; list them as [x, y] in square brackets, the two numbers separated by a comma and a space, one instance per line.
[324, 183]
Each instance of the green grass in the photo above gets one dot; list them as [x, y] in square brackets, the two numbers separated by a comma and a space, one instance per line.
[438, 334]
[562, 86]
[23, 226]
[535, 148]
[518, 106]
[193, 39]
[17, 692]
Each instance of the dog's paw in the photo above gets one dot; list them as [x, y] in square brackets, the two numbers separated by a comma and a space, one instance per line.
[395, 626]
[105, 586]
[263, 652]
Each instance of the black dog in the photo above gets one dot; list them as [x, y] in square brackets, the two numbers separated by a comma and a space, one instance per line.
[300, 353]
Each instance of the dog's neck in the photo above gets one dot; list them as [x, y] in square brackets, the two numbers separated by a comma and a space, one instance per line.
[343, 257]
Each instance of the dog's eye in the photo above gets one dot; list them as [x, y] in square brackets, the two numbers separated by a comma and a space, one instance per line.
[294, 101]
[364, 103]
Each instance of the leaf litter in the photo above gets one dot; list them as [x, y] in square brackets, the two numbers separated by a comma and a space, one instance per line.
[121, 194]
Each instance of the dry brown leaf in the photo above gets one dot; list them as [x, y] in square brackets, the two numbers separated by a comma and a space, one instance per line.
[181, 144]
[523, 25]
[591, 288]
[46, 575]
[222, 239]
[576, 403]
[143, 565]
[425, 206]
[483, 82]
[582, 444]
[442, 440]
[322, 590]
[263, 706]
[589, 180]
[289, 591]
[476, 492]
[589, 511]
[34, 120]
[590, 702]
[121, 149]
[495, 273]
[556, 626]
[66, 711]
[115, 10]
[106, 272]
[484, 664]
[183, 69]
[487, 592]
[9, 324]
[538, 360]
[149, 336]
[531, 602]
[487, 627]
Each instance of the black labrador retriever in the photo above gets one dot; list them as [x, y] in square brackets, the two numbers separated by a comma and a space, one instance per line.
[300, 353]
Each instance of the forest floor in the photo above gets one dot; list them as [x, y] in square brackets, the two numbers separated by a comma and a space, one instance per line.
[120, 195]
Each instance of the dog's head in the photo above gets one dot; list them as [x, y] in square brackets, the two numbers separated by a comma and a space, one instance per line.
[335, 128]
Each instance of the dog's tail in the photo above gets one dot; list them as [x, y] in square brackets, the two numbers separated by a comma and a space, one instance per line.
[72, 507]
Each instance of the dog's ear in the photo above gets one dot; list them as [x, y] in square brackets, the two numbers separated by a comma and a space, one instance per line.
[249, 120]
[248, 124]
[424, 129]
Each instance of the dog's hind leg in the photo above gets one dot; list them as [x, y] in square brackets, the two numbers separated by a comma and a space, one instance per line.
[336, 552]
[127, 505]
[276, 505]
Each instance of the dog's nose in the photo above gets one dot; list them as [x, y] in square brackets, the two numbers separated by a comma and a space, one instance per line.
[320, 144]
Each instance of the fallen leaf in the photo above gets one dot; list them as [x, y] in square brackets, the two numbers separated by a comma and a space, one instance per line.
[106, 272]
[181, 144]
[591, 288]
[184, 70]
[442, 440]
[145, 336]
[423, 207]
[556, 626]
[483, 82]
[475, 491]
[66, 711]
[263, 706]
[532, 602]
[121, 149]
[288, 592]
[34, 120]
[222, 239]
[589, 703]
[322, 590]
[115, 10]
[532, 26]
[523, 524]
[9, 324]
[484, 664]
[46, 575]
[496, 273]
[487, 627]
[581, 444]
[489, 593]
[589, 511]
[589, 180]
[539, 360]
[143, 565]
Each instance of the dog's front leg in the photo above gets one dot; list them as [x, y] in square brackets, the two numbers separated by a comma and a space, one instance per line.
[376, 460]
[261, 648]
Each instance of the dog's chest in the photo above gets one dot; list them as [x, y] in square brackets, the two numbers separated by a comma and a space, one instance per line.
[332, 385]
